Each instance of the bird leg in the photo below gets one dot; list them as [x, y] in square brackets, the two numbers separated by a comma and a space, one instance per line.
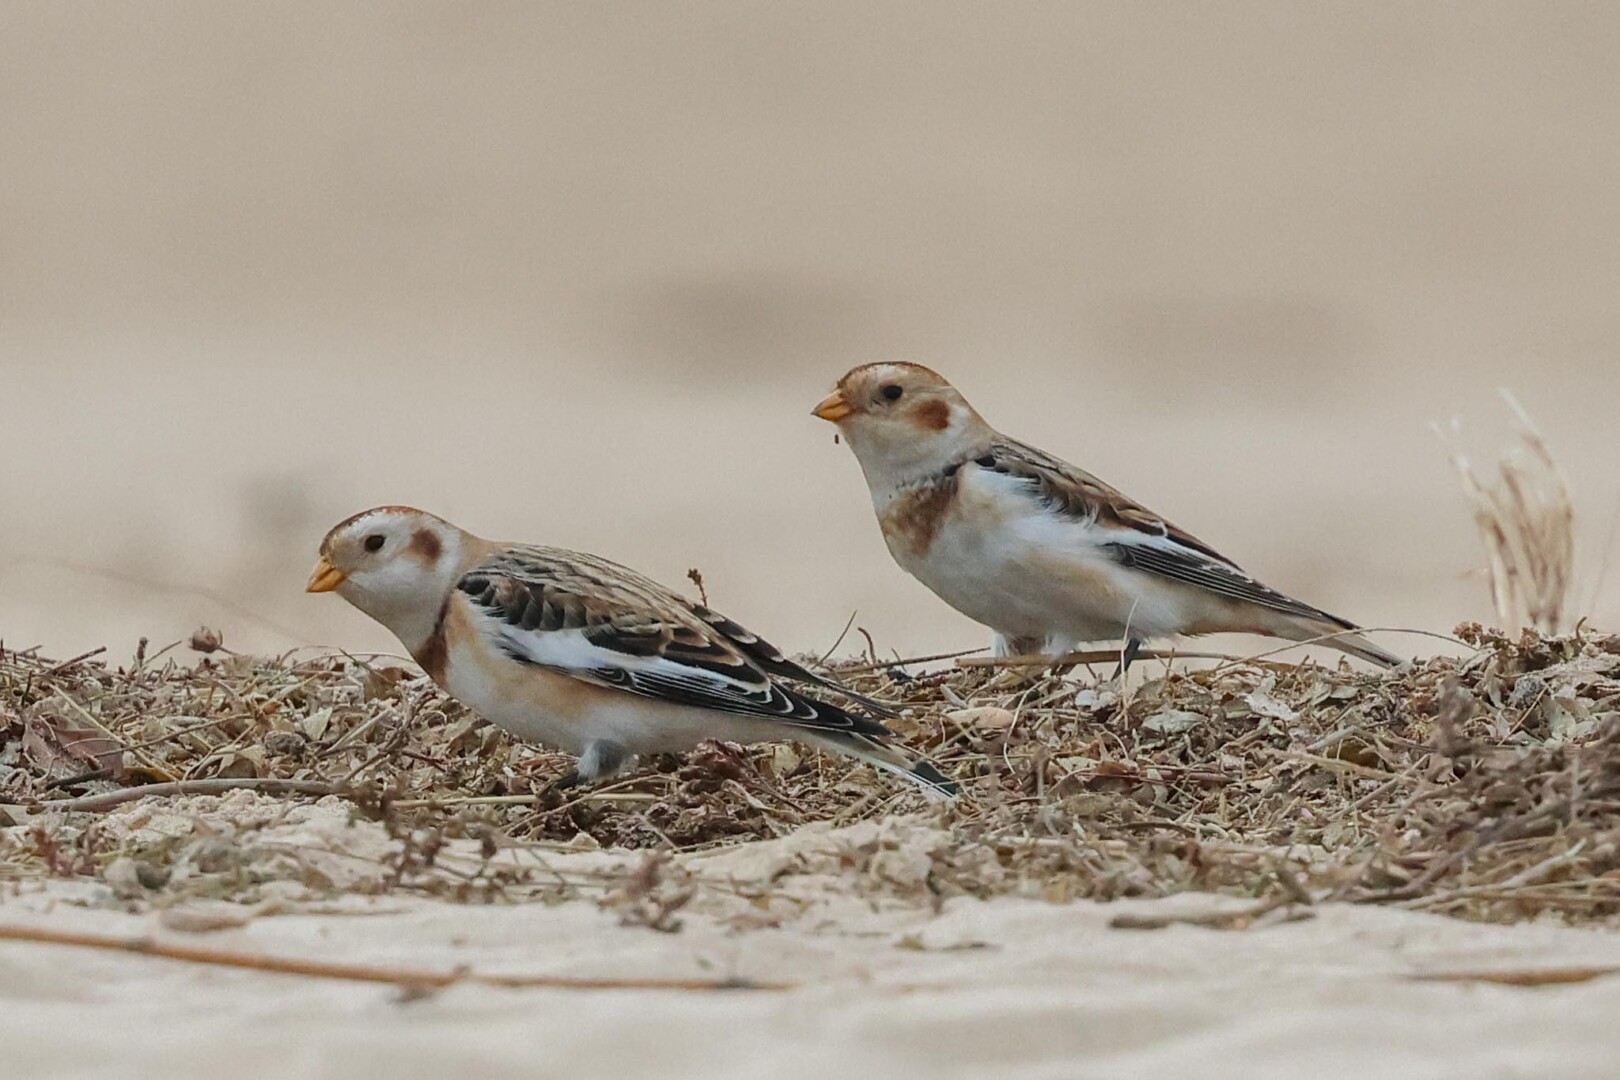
[1133, 646]
[1003, 645]
[602, 758]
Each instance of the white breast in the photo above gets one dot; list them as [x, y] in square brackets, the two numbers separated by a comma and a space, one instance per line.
[1002, 559]
[508, 698]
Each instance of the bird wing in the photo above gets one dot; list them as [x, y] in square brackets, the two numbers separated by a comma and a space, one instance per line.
[605, 624]
[770, 659]
[1132, 534]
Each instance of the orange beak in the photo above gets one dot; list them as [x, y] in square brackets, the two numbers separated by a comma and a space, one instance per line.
[833, 408]
[325, 578]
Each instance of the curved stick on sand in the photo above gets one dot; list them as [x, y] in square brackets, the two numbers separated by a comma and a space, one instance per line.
[322, 969]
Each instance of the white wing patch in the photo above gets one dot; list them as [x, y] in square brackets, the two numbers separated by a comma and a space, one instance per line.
[572, 653]
[602, 631]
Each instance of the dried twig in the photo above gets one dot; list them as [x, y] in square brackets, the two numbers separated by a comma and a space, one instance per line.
[1528, 977]
[1089, 656]
[906, 661]
[1239, 919]
[270, 785]
[413, 978]
[695, 576]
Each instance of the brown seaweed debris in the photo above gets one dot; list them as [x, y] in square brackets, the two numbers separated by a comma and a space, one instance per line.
[1486, 786]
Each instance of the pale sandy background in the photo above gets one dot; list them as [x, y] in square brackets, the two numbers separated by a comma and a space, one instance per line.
[576, 273]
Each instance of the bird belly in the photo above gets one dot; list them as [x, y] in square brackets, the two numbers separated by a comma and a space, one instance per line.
[568, 714]
[515, 698]
[1027, 572]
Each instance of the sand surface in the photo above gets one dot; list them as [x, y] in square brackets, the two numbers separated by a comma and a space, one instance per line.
[883, 984]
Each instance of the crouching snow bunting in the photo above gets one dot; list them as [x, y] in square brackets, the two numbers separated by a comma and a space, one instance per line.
[583, 654]
[1043, 553]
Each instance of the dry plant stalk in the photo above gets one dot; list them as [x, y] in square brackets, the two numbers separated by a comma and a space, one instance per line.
[416, 979]
[1526, 519]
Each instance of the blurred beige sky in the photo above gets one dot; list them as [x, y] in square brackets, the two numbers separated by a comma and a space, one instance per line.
[576, 273]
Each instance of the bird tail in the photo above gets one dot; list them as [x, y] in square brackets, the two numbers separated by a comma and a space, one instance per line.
[1357, 645]
[1335, 633]
[890, 759]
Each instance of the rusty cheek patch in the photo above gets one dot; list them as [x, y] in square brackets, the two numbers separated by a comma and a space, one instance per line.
[915, 519]
[934, 415]
[425, 545]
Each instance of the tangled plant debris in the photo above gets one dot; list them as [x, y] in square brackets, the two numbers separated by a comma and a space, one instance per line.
[1486, 786]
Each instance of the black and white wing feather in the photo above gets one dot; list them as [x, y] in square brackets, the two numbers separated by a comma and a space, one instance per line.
[1143, 540]
[1166, 559]
[605, 624]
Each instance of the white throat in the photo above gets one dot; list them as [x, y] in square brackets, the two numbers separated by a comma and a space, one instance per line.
[894, 466]
[407, 596]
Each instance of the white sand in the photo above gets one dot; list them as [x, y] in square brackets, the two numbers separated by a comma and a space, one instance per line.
[886, 987]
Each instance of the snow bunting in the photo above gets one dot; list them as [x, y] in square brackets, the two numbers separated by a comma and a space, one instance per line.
[1043, 553]
[582, 654]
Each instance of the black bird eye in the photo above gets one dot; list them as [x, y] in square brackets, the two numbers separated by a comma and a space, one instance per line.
[374, 542]
[891, 392]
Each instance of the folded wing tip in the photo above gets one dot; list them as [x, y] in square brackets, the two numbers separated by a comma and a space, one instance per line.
[927, 774]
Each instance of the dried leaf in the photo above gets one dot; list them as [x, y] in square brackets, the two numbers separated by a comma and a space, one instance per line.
[383, 683]
[314, 724]
[205, 641]
[985, 719]
[59, 744]
[1172, 722]
[1262, 703]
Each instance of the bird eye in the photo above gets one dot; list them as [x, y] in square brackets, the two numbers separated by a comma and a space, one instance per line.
[374, 542]
[891, 392]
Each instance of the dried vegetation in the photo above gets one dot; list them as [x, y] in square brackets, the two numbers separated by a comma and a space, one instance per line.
[1485, 786]
[1526, 519]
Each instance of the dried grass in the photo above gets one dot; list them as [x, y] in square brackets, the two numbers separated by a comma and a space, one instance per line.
[1486, 787]
[1526, 520]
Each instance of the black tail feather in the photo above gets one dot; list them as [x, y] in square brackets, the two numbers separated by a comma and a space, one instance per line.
[929, 774]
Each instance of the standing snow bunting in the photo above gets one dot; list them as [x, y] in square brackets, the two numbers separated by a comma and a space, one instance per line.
[1043, 553]
[585, 655]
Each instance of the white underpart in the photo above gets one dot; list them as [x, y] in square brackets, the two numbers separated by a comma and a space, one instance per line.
[1004, 560]
[888, 461]
[641, 725]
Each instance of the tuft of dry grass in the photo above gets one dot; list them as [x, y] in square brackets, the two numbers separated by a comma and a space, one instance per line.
[1526, 520]
[1486, 786]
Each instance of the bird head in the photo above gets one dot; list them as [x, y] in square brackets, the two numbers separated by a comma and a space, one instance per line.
[394, 563]
[902, 420]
